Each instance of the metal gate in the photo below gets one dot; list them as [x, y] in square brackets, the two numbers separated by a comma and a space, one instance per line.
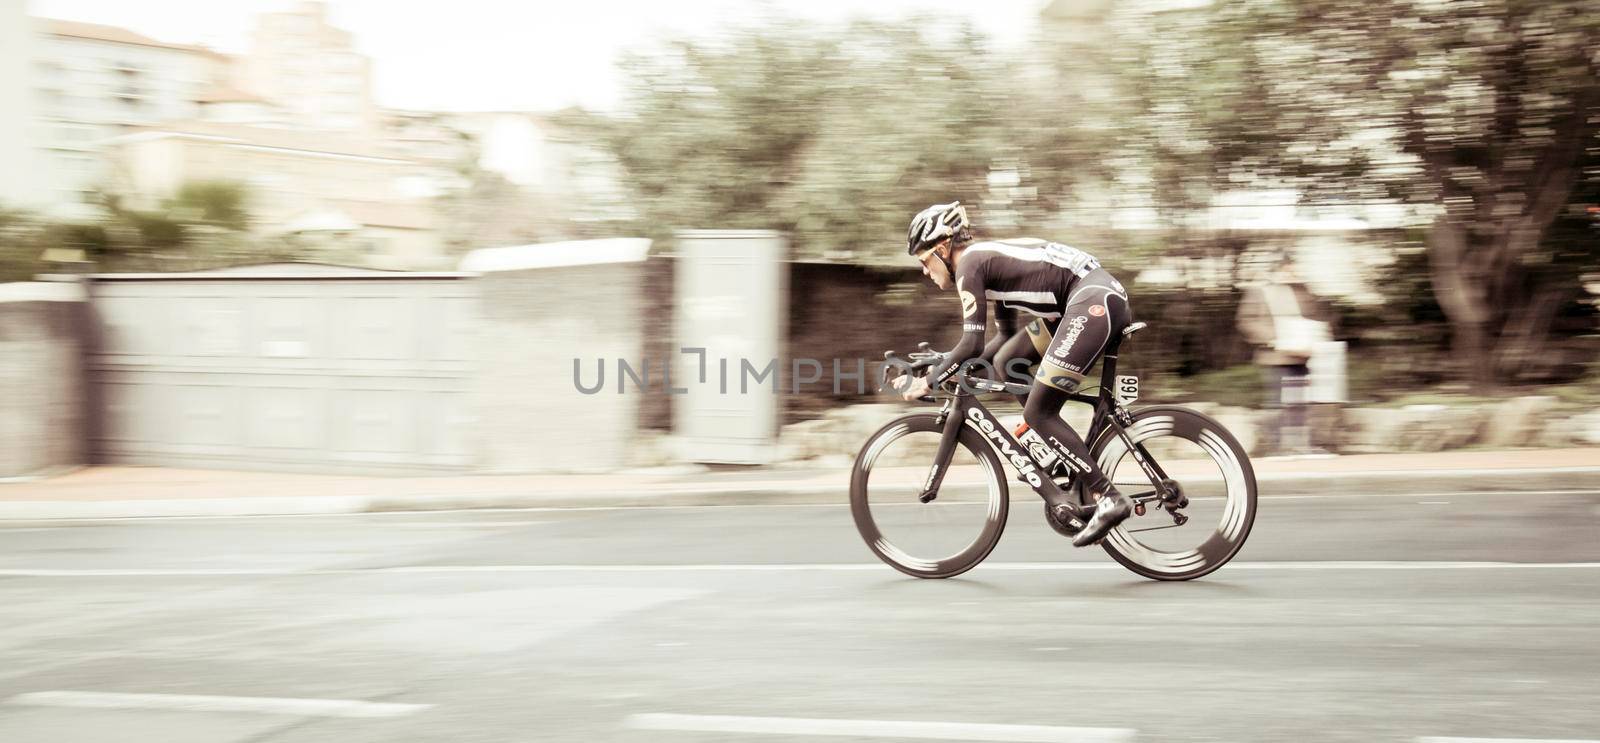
[287, 368]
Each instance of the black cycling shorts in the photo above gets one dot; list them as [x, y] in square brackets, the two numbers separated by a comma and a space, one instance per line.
[1096, 308]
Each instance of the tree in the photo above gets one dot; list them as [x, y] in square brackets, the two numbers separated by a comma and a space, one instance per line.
[1480, 113]
[483, 208]
[832, 134]
[217, 203]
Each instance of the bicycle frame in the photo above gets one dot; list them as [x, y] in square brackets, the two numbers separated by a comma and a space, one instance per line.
[962, 408]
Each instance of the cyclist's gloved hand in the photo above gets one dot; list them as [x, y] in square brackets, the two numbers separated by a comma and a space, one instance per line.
[911, 387]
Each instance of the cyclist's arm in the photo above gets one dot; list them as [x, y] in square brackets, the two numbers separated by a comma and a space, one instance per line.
[974, 318]
[1005, 320]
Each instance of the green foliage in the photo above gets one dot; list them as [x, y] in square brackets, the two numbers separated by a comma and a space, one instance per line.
[1483, 115]
[19, 250]
[832, 134]
[202, 226]
[1191, 331]
[217, 203]
[1239, 385]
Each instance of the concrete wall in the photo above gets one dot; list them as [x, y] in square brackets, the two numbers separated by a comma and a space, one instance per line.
[42, 408]
[284, 369]
[532, 325]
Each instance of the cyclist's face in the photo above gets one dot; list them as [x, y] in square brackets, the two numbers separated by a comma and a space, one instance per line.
[933, 266]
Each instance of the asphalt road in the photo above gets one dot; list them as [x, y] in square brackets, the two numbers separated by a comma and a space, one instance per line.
[1345, 618]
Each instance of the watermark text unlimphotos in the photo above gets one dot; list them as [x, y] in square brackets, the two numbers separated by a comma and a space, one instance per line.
[743, 376]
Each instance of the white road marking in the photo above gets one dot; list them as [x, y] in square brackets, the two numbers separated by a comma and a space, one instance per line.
[877, 728]
[751, 568]
[1433, 503]
[201, 703]
[463, 524]
[1457, 493]
[1502, 740]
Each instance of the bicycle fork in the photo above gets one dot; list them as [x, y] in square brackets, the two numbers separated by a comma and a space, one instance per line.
[941, 459]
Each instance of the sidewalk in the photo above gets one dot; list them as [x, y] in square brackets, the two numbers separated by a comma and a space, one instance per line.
[112, 492]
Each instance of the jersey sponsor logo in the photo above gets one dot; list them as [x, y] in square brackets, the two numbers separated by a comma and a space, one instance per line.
[1063, 382]
[1074, 329]
[1098, 310]
[1023, 464]
[1072, 459]
[1039, 251]
[969, 303]
[1037, 448]
[1072, 259]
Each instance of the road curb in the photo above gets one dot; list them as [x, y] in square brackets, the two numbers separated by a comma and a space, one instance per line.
[742, 494]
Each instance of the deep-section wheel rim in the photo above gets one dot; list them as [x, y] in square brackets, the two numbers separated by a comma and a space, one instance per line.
[1237, 513]
[994, 507]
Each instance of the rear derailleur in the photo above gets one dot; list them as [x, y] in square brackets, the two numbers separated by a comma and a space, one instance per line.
[1169, 495]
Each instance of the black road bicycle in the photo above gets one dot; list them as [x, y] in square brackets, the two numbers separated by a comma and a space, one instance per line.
[1193, 489]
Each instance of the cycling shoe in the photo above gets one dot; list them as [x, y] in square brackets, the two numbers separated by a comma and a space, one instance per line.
[1113, 509]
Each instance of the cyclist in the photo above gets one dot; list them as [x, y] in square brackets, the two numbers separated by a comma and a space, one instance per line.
[1055, 284]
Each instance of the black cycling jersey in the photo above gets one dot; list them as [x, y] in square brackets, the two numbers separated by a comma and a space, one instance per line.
[1024, 275]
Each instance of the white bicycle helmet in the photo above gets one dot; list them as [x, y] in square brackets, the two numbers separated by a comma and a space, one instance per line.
[935, 223]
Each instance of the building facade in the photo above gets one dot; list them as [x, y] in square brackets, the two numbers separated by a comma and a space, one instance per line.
[311, 69]
[16, 107]
[328, 191]
[94, 82]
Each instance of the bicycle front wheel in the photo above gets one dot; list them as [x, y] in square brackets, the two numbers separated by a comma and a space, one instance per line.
[946, 536]
[1214, 473]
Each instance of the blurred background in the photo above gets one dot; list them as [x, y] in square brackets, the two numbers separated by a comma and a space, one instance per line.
[353, 237]
[493, 371]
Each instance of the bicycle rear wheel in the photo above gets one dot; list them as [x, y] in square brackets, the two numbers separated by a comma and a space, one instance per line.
[1214, 472]
[947, 536]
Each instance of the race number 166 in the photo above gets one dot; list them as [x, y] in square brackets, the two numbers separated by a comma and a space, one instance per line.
[1127, 389]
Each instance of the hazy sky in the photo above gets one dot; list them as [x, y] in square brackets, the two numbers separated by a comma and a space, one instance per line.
[495, 54]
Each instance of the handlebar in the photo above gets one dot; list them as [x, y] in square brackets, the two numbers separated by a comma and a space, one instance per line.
[927, 357]
[916, 361]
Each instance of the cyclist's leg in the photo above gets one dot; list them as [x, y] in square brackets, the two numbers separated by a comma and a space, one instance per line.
[1017, 357]
[1096, 310]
